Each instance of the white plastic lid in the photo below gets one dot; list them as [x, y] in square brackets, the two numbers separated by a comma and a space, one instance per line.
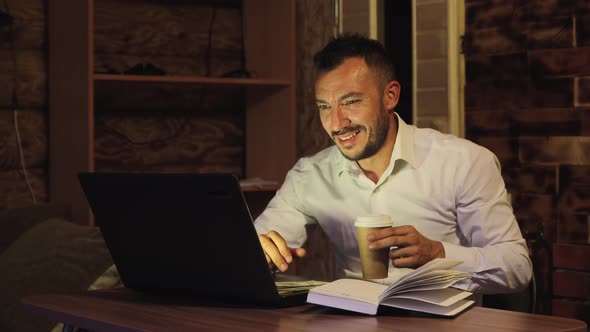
[373, 220]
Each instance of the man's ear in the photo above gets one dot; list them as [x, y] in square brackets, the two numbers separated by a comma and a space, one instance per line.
[391, 95]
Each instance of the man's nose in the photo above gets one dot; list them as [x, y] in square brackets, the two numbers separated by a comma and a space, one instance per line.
[339, 119]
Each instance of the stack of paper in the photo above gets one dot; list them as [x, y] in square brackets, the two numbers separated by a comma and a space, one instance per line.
[289, 287]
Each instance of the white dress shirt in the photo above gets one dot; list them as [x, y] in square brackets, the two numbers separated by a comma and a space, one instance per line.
[450, 189]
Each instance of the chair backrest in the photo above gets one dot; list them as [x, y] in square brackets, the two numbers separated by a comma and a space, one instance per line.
[524, 301]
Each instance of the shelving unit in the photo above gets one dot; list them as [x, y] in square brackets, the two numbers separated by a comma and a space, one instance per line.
[193, 80]
[269, 43]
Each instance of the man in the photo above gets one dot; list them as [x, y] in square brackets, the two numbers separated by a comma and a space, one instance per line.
[445, 194]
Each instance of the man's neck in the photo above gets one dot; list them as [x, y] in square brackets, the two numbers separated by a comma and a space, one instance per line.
[375, 166]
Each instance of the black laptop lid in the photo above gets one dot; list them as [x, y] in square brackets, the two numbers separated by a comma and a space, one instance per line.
[185, 233]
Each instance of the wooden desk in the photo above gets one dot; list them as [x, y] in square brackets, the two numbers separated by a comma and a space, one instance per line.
[124, 310]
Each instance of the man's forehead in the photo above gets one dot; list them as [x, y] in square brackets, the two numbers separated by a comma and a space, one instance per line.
[348, 65]
[352, 94]
[345, 81]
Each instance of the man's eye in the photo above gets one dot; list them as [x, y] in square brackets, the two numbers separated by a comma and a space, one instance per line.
[323, 107]
[350, 102]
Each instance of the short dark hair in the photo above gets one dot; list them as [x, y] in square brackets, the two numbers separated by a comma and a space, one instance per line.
[355, 45]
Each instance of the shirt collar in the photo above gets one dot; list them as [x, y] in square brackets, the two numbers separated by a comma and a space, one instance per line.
[404, 144]
[403, 149]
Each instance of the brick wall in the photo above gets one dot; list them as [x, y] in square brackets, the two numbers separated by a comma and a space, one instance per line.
[355, 16]
[527, 98]
[431, 109]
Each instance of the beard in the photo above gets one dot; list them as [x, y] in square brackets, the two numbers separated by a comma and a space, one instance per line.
[375, 141]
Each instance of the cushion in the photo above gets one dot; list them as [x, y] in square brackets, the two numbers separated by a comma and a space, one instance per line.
[53, 256]
[14, 222]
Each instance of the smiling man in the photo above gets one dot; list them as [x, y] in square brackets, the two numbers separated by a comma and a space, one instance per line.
[445, 194]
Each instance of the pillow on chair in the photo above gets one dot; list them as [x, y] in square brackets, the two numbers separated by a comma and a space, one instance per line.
[53, 256]
[14, 222]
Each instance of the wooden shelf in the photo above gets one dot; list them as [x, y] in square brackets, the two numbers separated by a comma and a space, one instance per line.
[78, 96]
[260, 185]
[192, 80]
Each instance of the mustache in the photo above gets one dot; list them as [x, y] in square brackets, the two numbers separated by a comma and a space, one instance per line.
[347, 130]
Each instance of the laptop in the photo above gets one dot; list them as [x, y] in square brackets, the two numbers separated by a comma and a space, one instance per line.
[184, 234]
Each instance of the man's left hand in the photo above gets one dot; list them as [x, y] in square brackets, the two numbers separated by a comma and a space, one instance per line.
[413, 249]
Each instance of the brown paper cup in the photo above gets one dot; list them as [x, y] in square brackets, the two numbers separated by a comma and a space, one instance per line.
[374, 263]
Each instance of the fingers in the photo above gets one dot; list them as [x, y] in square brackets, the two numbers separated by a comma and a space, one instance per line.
[401, 236]
[411, 262]
[417, 255]
[277, 252]
[273, 246]
[281, 245]
[298, 252]
[412, 248]
[412, 257]
[391, 231]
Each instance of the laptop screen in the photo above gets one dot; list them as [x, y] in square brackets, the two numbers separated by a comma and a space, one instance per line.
[185, 233]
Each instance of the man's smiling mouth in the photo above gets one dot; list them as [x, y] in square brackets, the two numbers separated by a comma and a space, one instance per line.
[347, 137]
[347, 133]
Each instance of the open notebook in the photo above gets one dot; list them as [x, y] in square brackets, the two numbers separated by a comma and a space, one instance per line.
[185, 234]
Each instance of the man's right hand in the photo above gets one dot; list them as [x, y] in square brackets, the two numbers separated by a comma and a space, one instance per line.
[278, 254]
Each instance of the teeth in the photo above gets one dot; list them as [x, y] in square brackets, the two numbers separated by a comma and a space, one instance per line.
[347, 137]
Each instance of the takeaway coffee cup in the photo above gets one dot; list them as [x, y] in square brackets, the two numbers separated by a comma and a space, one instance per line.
[374, 263]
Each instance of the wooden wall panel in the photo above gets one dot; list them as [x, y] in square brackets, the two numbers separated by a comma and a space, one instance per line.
[311, 37]
[128, 32]
[14, 192]
[31, 78]
[23, 70]
[172, 65]
[29, 25]
[168, 127]
[149, 142]
[33, 134]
